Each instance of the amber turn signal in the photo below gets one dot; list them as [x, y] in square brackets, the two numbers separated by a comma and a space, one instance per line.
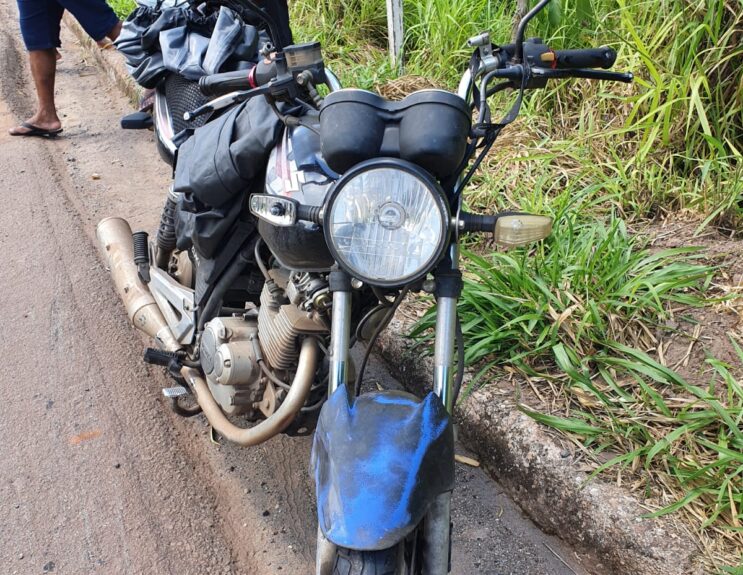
[521, 229]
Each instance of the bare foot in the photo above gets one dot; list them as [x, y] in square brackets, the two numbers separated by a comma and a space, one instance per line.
[50, 125]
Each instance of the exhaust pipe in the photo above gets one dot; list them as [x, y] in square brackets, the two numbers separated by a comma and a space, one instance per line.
[115, 237]
[276, 423]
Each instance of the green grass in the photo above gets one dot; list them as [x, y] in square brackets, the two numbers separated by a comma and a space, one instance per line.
[590, 283]
[670, 142]
[122, 7]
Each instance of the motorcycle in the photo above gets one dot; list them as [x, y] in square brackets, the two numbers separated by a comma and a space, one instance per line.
[354, 201]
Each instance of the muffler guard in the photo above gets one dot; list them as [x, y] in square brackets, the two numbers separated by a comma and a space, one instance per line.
[378, 465]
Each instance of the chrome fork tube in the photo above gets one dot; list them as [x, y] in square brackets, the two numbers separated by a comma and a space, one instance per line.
[437, 527]
[340, 340]
[446, 323]
[325, 554]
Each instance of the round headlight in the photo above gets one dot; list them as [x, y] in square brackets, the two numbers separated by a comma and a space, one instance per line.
[387, 222]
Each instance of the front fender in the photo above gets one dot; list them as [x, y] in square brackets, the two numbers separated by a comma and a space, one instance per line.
[378, 465]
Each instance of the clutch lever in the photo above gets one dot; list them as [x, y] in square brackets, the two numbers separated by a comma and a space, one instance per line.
[548, 73]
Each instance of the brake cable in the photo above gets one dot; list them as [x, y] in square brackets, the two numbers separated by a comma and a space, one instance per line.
[373, 339]
[484, 131]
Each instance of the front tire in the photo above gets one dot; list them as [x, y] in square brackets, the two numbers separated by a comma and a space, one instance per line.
[351, 562]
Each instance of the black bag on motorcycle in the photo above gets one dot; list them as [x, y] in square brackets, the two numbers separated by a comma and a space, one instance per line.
[216, 171]
[184, 41]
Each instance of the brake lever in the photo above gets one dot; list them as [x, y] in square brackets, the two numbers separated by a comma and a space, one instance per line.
[589, 74]
[224, 102]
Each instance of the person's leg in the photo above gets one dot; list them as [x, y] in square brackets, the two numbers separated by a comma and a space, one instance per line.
[96, 17]
[40, 29]
[43, 70]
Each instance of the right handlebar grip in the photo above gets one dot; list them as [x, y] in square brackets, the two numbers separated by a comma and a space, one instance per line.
[224, 83]
[603, 57]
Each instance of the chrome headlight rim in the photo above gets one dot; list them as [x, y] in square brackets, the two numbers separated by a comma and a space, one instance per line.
[437, 193]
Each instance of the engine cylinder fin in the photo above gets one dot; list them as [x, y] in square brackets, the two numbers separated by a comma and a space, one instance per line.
[277, 335]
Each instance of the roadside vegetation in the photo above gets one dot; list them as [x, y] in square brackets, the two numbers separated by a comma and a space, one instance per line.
[588, 316]
[122, 7]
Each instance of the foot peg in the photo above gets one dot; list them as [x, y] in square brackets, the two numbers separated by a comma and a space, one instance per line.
[168, 359]
[156, 356]
[137, 121]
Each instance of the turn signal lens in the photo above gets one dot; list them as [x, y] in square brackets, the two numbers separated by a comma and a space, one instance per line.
[275, 210]
[522, 229]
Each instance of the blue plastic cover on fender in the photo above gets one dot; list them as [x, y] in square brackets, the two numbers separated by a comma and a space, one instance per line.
[379, 464]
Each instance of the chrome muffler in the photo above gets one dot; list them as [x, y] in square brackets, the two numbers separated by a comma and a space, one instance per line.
[115, 238]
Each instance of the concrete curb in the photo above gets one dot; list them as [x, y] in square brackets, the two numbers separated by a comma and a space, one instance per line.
[602, 520]
[110, 61]
[599, 519]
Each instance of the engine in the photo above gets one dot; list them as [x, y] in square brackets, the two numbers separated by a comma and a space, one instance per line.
[249, 359]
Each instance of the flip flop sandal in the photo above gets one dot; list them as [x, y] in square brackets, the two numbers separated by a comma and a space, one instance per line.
[36, 131]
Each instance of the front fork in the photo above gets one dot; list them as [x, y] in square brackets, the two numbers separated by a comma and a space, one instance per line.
[437, 526]
[437, 530]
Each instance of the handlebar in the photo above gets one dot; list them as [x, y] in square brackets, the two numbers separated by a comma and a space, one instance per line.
[603, 57]
[226, 82]
[540, 63]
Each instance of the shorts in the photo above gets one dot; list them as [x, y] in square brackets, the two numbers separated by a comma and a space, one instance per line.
[40, 20]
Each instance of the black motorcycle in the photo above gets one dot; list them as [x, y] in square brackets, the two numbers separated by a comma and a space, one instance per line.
[296, 226]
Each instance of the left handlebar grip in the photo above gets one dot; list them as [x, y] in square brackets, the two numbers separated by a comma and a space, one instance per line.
[603, 57]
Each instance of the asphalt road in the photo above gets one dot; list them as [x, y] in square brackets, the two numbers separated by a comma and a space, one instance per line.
[96, 474]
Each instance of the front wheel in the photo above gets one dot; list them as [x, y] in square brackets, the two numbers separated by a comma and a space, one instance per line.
[351, 562]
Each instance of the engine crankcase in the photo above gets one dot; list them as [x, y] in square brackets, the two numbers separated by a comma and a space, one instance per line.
[230, 364]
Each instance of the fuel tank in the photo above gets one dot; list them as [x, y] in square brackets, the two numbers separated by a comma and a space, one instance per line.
[296, 170]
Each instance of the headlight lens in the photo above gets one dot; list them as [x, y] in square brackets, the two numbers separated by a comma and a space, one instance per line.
[387, 224]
